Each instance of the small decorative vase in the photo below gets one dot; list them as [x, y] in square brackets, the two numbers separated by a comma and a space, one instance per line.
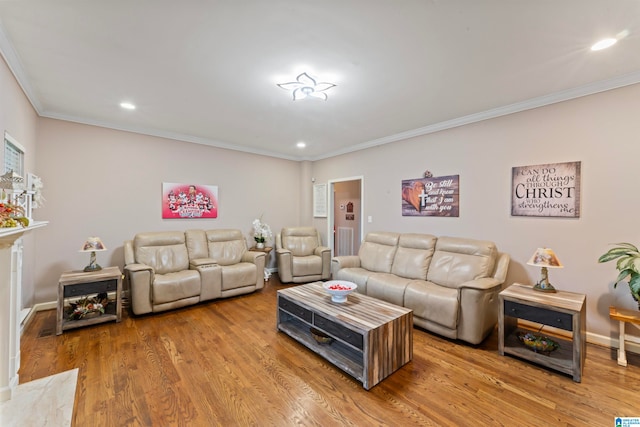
[260, 245]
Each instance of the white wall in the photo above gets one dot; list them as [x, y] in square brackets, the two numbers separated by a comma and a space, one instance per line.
[601, 131]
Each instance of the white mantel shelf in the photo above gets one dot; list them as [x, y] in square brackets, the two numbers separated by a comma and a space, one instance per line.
[8, 232]
[10, 304]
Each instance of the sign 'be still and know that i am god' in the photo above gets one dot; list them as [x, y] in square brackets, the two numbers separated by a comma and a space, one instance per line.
[433, 196]
[551, 190]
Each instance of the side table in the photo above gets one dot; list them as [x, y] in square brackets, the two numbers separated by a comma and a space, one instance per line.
[624, 316]
[562, 310]
[75, 284]
[266, 250]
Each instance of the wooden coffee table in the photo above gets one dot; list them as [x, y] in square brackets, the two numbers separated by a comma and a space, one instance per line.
[371, 338]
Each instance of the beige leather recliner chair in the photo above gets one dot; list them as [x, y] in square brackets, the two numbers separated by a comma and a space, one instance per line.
[300, 256]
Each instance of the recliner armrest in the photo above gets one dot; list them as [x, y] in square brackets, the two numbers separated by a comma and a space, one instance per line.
[252, 256]
[137, 267]
[140, 277]
[485, 283]
[345, 261]
[321, 249]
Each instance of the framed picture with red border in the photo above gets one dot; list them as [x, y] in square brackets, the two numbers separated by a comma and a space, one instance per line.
[188, 201]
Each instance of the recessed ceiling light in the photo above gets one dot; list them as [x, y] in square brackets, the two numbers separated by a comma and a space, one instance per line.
[127, 106]
[301, 144]
[604, 43]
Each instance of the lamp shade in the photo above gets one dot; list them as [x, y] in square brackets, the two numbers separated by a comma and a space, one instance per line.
[93, 244]
[545, 257]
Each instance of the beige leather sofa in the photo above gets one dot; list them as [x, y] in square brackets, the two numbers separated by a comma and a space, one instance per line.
[300, 256]
[451, 284]
[171, 269]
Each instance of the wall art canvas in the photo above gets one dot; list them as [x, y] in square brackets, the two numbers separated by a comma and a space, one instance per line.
[551, 190]
[189, 201]
[433, 196]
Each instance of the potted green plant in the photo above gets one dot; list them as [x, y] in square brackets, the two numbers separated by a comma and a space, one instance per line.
[628, 265]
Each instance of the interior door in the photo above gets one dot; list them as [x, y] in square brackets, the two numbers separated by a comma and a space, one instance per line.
[346, 211]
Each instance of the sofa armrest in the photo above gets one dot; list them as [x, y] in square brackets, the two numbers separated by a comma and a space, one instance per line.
[320, 250]
[259, 259]
[345, 261]
[502, 267]
[254, 257]
[210, 277]
[486, 283]
[140, 277]
[199, 262]
[284, 262]
[324, 252]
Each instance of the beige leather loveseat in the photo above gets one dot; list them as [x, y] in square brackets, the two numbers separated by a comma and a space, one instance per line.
[171, 269]
[451, 284]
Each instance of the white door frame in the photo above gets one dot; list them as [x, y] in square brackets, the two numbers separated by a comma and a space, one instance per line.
[331, 208]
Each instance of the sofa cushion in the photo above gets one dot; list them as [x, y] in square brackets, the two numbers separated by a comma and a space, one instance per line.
[306, 265]
[457, 260]
[239, 275]
[387, 287]
[432, 302]
[196, 244]
[378, 250]
[301, 241]
[175, 286]
[413, 256]
[226, 247]
[164, 251]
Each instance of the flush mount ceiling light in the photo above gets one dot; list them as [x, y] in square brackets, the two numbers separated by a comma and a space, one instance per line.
[305, 86]
[127, 106]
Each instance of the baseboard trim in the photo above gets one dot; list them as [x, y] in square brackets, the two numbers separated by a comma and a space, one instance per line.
[631, 344]
[33, 310]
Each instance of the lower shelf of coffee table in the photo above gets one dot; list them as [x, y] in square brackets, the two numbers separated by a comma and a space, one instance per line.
[342, 355]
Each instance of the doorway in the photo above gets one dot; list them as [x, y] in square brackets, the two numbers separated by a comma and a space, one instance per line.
[345, 210]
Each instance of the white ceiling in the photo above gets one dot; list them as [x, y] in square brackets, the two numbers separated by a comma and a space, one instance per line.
[206, 71]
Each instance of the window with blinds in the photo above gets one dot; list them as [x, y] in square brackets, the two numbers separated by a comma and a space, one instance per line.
[13, 155]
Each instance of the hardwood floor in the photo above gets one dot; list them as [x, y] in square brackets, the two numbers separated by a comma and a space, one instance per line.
[224, 363]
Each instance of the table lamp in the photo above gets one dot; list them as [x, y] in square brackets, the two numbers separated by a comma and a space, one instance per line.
[93, 245]
[545, 258]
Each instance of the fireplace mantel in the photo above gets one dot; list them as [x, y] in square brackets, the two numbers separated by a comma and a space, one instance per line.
[10, 304]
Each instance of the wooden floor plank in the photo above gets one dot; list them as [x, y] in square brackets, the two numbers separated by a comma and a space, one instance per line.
[224, 363]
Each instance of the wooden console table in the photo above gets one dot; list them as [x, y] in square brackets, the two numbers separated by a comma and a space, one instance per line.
[624, 316]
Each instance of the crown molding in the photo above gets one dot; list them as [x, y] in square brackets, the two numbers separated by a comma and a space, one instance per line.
[553, 98]
[166, 134]
[15, 66]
